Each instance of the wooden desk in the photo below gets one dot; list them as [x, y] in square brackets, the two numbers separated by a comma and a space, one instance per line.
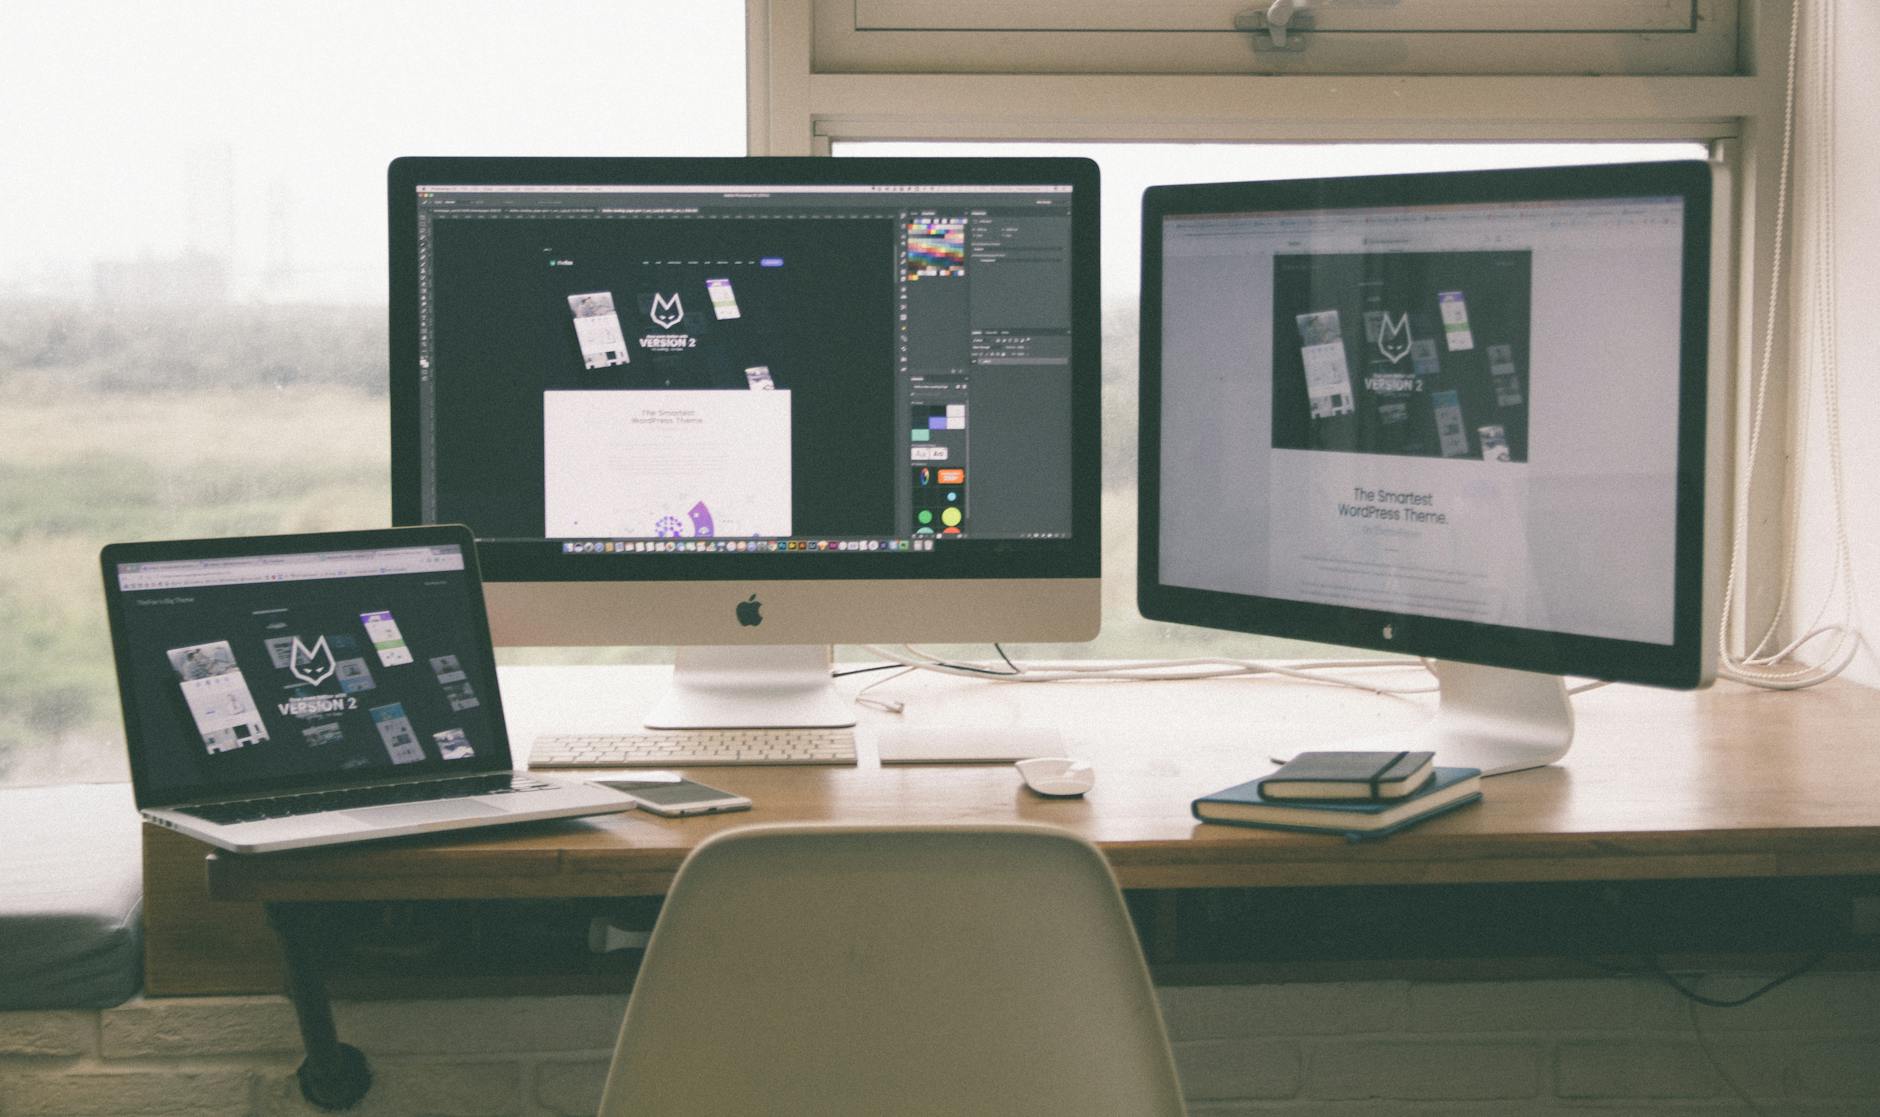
[1728, 782]
[1731, 783]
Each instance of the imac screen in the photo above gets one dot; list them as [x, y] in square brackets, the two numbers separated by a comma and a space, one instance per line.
[788, 361]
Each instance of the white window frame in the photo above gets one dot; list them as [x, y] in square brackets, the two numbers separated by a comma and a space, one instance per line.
[1205, 15]
[1323, 36]
[798, 109]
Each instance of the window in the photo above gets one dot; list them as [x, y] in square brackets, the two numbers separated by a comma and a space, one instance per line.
[192, 299]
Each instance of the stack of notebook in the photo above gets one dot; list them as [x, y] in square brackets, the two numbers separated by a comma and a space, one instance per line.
[1357, 794]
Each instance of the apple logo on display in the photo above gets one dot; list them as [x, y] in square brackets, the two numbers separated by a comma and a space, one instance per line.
[748, 614]
[1390, 632]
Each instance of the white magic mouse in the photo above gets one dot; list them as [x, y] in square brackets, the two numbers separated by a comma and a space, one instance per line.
[1057, 775]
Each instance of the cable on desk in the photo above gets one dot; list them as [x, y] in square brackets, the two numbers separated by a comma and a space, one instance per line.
[863, 670]
[1703, 1046]
[1657, 969]
[1620, 926]
[889, 705]
[1692, 999]
[1649, 965]
[1013, 668]
[1174, 670]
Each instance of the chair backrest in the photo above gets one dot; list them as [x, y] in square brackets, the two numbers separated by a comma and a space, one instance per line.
[893, 970]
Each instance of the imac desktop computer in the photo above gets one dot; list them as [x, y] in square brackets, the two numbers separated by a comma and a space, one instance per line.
[1458, 415]
[754, 407]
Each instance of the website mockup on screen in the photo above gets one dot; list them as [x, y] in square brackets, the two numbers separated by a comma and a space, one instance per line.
[1465, 412]
[745, 368]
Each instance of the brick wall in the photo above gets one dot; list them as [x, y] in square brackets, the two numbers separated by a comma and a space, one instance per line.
[1352, 1049]
[1539, 1047]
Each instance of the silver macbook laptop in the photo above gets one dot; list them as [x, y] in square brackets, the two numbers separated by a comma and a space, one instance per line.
[303, 690]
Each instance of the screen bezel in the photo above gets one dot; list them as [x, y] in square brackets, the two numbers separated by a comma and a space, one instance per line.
[483, 677]
[542, 561]
[1677, 664]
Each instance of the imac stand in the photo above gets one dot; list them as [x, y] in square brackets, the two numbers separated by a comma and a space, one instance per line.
[762, 687]
[1497, 719]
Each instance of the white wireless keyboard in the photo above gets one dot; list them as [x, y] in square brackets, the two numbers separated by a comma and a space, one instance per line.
[680, 748]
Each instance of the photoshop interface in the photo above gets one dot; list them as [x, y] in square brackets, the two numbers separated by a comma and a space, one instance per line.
[628, 369]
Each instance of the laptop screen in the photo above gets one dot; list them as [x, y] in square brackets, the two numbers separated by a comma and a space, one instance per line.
[284, 669]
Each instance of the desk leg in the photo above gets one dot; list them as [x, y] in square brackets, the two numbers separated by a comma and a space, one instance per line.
[334, 1075]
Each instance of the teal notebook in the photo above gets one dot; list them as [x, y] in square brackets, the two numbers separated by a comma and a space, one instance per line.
[1243, 805]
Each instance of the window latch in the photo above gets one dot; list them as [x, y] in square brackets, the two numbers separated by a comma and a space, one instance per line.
[1282, 20]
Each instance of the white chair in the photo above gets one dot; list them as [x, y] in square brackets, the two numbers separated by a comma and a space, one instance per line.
[893, 970]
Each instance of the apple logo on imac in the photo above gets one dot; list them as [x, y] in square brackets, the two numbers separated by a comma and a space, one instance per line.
[749, 614]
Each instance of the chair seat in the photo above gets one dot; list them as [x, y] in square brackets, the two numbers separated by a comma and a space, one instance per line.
[71, 896]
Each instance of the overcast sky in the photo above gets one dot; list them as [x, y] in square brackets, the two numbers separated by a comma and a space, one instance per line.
[262, 127]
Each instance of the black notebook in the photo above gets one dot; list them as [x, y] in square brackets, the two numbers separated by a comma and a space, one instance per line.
[1350, 775]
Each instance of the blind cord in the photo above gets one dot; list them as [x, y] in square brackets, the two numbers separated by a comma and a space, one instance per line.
[1759, 665]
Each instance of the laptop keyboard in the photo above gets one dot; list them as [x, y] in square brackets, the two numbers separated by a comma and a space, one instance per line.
[315, 802]
[686, 747]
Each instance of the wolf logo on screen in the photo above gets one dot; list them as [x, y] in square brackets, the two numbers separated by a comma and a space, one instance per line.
[1393, 337]
[314, 665]
[667, 310]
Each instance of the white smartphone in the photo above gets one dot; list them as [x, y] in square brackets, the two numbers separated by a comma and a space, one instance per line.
[672, 798]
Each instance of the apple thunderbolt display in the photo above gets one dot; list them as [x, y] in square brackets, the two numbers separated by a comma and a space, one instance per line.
[754, 407]
[1457, 415]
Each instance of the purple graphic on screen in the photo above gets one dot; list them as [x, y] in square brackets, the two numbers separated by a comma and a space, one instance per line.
[672, 527]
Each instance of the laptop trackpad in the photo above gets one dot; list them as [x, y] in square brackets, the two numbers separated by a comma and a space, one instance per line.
[407, 814]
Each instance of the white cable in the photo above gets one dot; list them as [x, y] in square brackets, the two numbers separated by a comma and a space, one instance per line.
[1817, 344]
[912, 659]
[1173, 670]
[1758, 404]
[889, 705]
